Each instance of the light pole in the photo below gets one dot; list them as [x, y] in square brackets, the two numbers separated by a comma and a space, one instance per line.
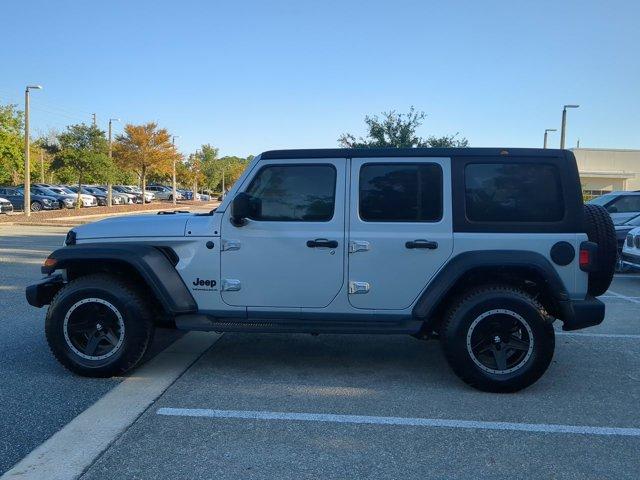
[27, 166]
[174, 192]
[109, 185]
[223, 189]
[545, 135]
[195, 175]
[41, 165]
[564, 123]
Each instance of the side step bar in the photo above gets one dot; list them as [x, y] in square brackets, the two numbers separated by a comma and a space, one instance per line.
[206, 323]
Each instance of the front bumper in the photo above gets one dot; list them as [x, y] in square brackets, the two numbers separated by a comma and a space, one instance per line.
[42, 292]
[630, 259]
[577, 314]
[51, 206]
[6, 207]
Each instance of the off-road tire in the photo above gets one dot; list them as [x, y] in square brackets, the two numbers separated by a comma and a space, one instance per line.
[135, 312]
[599, 228]
[470, 306]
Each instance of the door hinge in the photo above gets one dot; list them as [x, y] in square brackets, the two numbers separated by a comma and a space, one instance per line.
[359, 287]
[230, 245]
[359, 246]
[231, 285]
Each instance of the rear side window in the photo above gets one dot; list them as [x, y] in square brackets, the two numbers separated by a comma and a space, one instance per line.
[294, 193]
[515, 192]
[401, 192]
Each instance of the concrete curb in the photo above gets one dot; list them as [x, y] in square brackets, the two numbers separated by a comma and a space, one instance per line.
[73, 449]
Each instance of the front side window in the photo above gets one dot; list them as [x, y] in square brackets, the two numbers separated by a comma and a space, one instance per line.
[294, 193]
[514, 192]
[401, 192]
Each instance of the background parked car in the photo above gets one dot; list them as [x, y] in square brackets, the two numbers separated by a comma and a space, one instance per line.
[5, 206]
[87, 200]
[163, 193]
[631, 250]
[100, 197]
[622, 206]
[38, 202]
[621, 235]
[64, 200]
[116, 198]
[148, 196]
[135, 197]
[186, 194]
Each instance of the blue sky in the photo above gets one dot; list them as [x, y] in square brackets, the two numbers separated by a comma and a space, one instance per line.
[250, 76]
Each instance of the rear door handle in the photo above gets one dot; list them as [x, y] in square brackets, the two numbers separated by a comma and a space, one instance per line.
[322, 242]
[420, 243]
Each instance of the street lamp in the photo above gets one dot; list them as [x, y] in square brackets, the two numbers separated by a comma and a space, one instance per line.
[109, 185]
[174, 192]
[27, 166]
[195, 175]
[545, 135]
[564, 123]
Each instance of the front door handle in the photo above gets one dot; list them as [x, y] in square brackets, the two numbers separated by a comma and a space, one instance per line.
[420, 243]
[322, 242]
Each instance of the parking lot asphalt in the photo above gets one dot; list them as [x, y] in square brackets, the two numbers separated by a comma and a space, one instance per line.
[193, 430]
[334, 406]
[37, 395]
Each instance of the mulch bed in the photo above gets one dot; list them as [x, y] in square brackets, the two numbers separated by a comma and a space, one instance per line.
[47, 217]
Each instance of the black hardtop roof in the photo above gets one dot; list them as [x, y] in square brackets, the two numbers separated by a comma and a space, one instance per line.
[411, 152]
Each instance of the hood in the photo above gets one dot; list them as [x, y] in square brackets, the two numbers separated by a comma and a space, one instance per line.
[131, 226]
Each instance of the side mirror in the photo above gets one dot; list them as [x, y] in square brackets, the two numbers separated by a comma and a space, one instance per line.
[612, 209]
[241, 209]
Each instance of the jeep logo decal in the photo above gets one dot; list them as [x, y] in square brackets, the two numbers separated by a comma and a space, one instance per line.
[204, 283]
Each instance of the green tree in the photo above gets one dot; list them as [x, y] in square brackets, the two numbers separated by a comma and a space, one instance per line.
[398, 130]
[11, 144]
[145, 148]
[81, 154]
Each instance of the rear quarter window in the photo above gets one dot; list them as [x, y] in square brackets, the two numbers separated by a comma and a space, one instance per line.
[513, 192]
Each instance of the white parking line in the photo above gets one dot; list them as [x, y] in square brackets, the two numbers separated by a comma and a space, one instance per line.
[69, 452]
[600, 335]
[624, 297]
[400, 421]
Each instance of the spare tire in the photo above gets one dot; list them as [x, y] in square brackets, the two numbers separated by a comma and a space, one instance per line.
[599, 228]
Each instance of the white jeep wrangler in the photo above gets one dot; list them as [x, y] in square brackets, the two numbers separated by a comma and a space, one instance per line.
[481, 248]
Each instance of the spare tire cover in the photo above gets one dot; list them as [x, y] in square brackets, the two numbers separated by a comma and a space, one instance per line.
[599, 228]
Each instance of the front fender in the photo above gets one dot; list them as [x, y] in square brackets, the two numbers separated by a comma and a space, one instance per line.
[153, 266]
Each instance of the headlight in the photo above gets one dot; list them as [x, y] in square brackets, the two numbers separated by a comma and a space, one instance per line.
[46, 201]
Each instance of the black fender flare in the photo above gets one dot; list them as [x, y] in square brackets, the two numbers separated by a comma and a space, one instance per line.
[463, 263]
[153, 266]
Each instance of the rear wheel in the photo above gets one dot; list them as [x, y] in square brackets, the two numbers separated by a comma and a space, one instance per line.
[99, 326]
[498, 339]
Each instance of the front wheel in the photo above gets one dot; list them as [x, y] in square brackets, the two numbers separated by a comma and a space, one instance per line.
[498, 339]
[99, 326]
[36, 206]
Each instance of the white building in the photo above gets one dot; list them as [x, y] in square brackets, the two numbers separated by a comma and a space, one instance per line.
[603, 170]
